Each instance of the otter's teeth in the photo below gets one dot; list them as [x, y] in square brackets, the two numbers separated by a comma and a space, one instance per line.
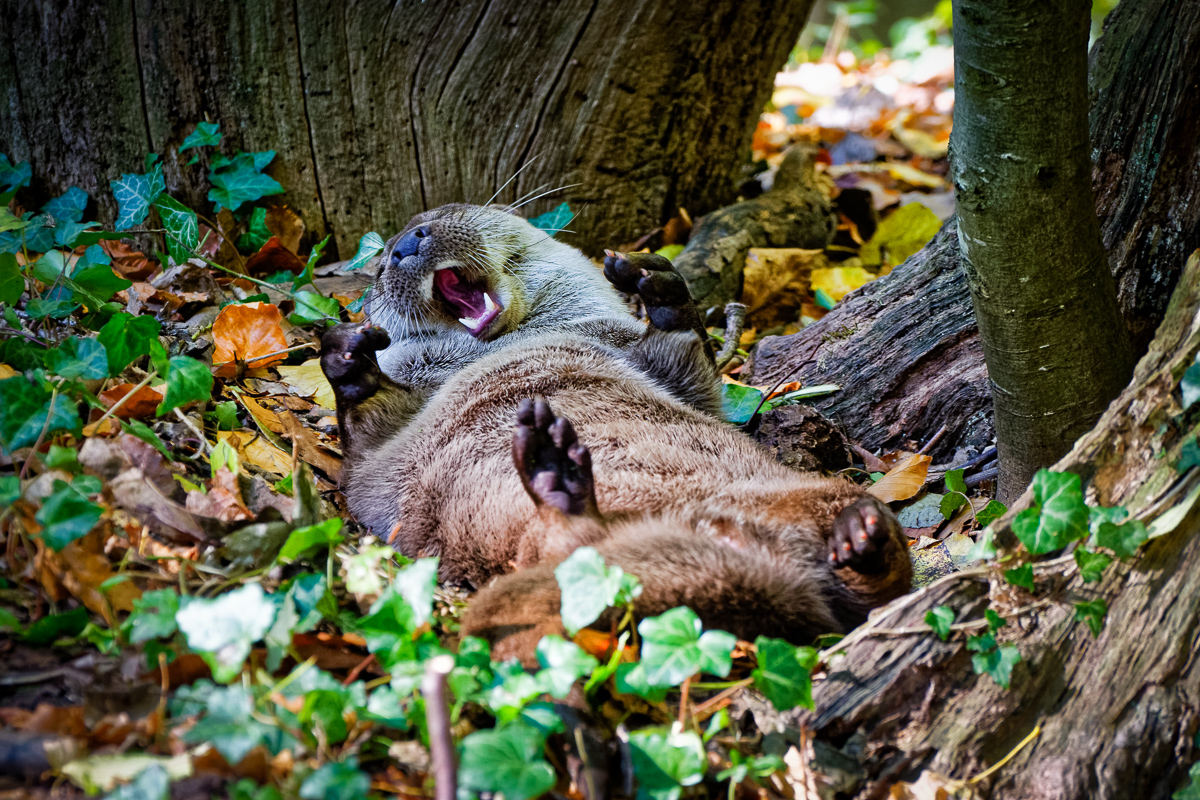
[470, 322]
[489, 304]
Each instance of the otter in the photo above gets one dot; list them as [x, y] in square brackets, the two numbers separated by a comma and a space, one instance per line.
[516, 411]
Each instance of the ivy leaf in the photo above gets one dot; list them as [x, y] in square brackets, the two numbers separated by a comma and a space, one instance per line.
[998, 663]
[564, 663]
[1091, 564]
[240, 180]
[41, 307]
[665, 762]
[14, 176]
[68, 206]
[152, 783]
[631, 679]
[673, 648]
[1093, 613]
[1123, 539]
[416, 584]
[553, 221]
[25, 407]
[153, 616]
[135, 194]
[1189, 385]
[738, 402]
[312, 307]
[339, 780]
[1058, 514]
[954, 481]
[187, 380]
[588, 587]
[994, 621]
[125, 338]
[1098, 515]
[1189, 455]
[66, 515]
[78, 358]
[143, 431]
[304, 540]
[940, 619]
[1020, 576]
[784, 672]
[369, 246]
[99, 281]
[10, 490]
[993, 511]
[305, 278]
[984, 548]
[950, 504]
[1192, 790]
[52, 627]
[12, 282]
[182, 227]
[257, 233]
[506, 760]
[206, 134]
[223, 629]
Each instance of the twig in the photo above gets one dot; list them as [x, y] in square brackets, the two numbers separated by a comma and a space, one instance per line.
[735, 323]
[1036, 732]
[933, 440]
[204, 445]
[437, 720]
[41, 436]
[716, 699]
[959, 626]
[985, 475]
[248, 362]
[683, 699]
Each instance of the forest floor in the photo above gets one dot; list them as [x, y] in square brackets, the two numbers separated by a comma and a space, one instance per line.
[189, 608]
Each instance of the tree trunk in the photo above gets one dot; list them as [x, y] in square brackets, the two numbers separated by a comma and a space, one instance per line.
[379, 110]
[1116, 712]
[906, 348]
[1044, 299]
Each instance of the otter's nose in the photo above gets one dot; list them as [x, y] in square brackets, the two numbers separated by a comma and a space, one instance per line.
[408, 244]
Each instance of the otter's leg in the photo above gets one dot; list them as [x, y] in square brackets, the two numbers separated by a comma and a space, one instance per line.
[681, 364]
[370, 406]
[662, 289]
[870, 555]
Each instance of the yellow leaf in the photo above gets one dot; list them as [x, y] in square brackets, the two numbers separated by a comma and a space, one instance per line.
[903, 480]
[905, 231]
[307, 380]
[769, 269]
[6, 371]
[840, 281]
[254, 449]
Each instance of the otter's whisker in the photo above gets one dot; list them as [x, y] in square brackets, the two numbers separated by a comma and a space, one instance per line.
[506, 183]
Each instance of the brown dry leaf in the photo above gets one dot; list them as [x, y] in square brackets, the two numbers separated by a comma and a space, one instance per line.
[143, 403]
[929, 786]
[254, 449]
[127, 262]
[228, 253]
[307, 380]
[210, 241]
[903, 480]
[265, 416]
[81, 567]
[769, 269]
[58, 720]
[308, 446]
[273, 257]
[249, 332]
[222, 501]
[286, 225]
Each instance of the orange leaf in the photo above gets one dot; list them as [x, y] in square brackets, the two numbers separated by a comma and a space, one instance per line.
[250, 332]
[144, 402]
[273, 257]
[127, 262]
[903, 480]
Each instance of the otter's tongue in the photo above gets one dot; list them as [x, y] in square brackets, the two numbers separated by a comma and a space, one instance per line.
[476, 307]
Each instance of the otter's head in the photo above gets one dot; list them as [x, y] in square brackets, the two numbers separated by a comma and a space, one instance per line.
[455, 269]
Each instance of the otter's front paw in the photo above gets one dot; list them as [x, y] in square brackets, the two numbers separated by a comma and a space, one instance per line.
[860, 535]
[348, 360]
[663, 290]
[555, 468]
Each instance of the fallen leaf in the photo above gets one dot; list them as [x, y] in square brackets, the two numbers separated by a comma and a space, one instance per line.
[273, 257]
[307, 380]
[46, 718]
[901, 234]
[7, 372]
[286, 225]
[769, 269]
[265, 416]
[129, 263]
[929, 786]
[903, 481]
[308, 446]
[254, 449]
[838, 282]
[143, 403]
[251, 333]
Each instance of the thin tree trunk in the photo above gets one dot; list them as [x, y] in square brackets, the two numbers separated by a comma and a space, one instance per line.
[1044, 300]
[379, 110]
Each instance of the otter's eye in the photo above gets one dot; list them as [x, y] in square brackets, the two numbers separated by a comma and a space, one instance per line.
[408, 244]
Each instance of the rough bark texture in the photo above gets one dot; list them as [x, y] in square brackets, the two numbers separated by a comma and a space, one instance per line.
[1045, 301]
[1118, 711]
[381, 109]
[1146, 173]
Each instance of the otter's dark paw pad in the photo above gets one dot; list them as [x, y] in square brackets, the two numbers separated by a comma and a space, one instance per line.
[860, 535]
[348, 358]
[555, 468]
[664, 292]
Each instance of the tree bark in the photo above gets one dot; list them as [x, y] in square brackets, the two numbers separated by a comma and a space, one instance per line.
[379, 110]
[1145, 129]
[1116, 712]
[1045, 301]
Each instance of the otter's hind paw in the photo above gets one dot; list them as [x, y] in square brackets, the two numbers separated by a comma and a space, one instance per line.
[860, 535]
[348, 360]
[555, 468]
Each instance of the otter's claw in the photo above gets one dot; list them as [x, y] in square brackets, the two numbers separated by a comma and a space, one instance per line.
[348, 360]
[860, 535]
[555, 468]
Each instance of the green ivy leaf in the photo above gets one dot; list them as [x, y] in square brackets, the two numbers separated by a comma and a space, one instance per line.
[206, 134]
[304, 540]
[998, 663]
[153, 616]
[954, 481]
[1189, 385]
[182, 227]
[416, 584]
[1093, 613]
[152, 783]
[223, 629]
[257, 233]
[41, 307]
[25, 407]
[12, 282]
[1192, 790]
[564, 663]
[784, 673]
[738, 403]
[950, 504]
[78, 358]
[984, 548]
[940, 618]
[1091, 564]
[53, 627]
[369, 246]
[1020, 576]
[66, 515]
[68, 206]
[664, 762]
[187, 380]
[312, 307]
[337, 781]
[1058, 515]
[125, 338]
[994, 621]
[553, 221]
[240, 180]
[14, 176]
[100, 282]
[10, 490]
[631, 679]
[507, 760]
[228, 723]
[588, 586]
[993, 511]
[135, 194]
[1123, 539]
[305, 278]
[674, 649]
[1189, 454]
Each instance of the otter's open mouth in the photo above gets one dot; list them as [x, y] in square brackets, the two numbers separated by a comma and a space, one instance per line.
[470, 301]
